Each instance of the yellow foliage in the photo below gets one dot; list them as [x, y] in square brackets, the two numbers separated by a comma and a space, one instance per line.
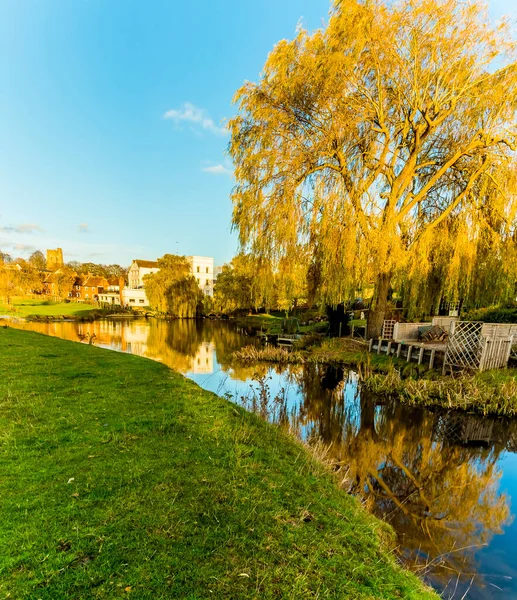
[384, 145]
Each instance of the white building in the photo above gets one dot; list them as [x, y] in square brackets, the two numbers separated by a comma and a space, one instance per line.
[134, 297]
[137, 271]
[203, 271]
[111, 294]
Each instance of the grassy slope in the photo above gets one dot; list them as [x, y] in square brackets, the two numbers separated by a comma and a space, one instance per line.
[23, 308]
[119, 476]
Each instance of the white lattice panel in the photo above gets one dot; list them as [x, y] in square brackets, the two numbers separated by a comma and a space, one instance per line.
[464, 349]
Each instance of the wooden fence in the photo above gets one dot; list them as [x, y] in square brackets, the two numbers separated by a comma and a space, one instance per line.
[471, 345]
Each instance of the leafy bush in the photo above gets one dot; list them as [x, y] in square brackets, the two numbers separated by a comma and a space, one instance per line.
[492, 314]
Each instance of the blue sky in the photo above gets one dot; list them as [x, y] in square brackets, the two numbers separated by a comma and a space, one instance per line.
[111, 114]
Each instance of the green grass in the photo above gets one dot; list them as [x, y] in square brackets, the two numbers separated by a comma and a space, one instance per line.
[120, 478]
[357, 322]
[25, 307]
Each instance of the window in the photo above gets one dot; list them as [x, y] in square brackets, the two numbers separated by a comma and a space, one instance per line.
[141, 301]
[87, 296]
[198, 269]
[207, 282]
[207, 269]
[132, 300]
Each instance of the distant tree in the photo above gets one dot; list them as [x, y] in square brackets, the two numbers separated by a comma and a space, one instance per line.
[7, 283]
[115, 271]
[37, 260]
[28, 278]
[64, 280]
[99, 270]
[172, 289]
[5, 258]
[75, 265]
[233, 289]
[93, 268]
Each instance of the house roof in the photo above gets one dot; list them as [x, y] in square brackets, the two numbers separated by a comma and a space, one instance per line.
[113, 281]
[95, 281]
[146, 264]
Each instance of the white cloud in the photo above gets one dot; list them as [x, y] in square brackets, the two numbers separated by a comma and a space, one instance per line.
[217, 170]
[83, 228]
[189, 113]
[23, 228]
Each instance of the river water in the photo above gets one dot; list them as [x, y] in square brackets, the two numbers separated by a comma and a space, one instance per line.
[443, 480]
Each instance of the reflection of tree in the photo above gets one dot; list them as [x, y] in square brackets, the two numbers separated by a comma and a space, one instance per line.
[323, 405]
[439, 496]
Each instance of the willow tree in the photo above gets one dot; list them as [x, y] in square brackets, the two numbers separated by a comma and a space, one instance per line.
[172, 289]
[361, 138]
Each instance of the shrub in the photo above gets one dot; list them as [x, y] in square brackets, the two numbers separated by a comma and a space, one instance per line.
[492, 314]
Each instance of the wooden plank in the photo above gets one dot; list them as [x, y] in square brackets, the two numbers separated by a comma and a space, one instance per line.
[421, 355]
[379, 346]
[388, 349]
[431, 360]
[370, 345]
[409, 350]
[399, 349]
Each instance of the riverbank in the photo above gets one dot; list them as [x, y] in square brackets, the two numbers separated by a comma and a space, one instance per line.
[25, 308]
[120, 476]
[488, 393]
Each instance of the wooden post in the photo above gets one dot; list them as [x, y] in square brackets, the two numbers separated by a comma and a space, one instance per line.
[409, 350]
[340, 325]
[431, 360]
[421, 355]
[379, 346]
[388, 349]
[370, 345]
[399, 349]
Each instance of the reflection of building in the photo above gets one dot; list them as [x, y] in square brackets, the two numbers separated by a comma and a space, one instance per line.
[203, 361]
[134, 338]
[202, 268]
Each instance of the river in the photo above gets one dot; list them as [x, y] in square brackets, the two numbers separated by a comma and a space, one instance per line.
[443, 480]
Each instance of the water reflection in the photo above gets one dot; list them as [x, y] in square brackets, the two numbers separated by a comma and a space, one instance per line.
[435, 476]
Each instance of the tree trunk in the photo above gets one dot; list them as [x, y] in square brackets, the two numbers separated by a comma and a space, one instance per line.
[377, 312]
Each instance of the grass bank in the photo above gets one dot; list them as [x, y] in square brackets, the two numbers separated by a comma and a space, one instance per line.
[491, 392]
[120, 478]
[29, 307]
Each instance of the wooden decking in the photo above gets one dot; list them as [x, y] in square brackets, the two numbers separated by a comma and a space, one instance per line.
[423, 353]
